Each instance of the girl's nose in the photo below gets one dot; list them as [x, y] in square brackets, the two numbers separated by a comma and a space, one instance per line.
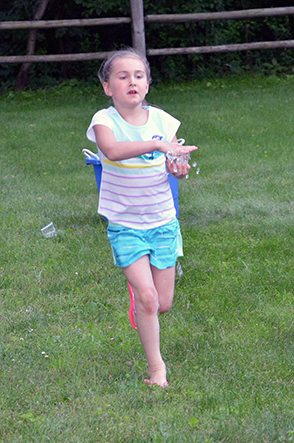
[132, 80]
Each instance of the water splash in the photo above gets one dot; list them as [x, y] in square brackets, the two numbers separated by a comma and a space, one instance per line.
[194, 164]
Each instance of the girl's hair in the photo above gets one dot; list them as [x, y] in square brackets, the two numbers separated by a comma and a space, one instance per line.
[106, 67]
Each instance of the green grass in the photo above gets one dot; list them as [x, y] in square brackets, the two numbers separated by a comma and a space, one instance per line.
[71, 366]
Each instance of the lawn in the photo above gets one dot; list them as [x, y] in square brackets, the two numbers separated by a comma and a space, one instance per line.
[72, 368]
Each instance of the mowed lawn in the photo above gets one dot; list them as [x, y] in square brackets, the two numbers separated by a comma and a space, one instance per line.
[72, 368]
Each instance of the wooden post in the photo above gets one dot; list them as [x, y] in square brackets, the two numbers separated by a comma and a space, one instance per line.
[22, 78]
[138, 27]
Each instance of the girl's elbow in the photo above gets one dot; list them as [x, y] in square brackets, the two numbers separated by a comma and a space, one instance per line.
[112, 156]
[110, 153]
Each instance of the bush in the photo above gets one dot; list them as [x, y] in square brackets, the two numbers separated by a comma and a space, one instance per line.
[107, 38]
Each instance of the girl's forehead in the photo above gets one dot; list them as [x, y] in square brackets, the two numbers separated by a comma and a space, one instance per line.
[127, 63]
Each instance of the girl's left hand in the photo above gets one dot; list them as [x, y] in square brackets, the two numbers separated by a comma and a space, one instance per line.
[177, 170]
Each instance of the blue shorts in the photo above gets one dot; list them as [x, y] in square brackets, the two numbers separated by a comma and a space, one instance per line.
[162, 244]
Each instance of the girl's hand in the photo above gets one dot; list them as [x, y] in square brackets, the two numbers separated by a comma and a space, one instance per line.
[177, 159]
[177, 170]
[165, 147]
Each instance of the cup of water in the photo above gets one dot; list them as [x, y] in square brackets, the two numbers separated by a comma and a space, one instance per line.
[177, 160]
[49, 231]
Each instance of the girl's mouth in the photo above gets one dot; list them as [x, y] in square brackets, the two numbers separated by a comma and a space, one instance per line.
[133, 92]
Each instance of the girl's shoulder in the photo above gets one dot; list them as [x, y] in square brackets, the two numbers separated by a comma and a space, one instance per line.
[101, 117]
[156, 112]
[154, 109]
[105, 111]
[104, 115]
[159, 111]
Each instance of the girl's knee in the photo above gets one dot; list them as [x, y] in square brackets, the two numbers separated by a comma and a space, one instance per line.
[165, 301]
[165, 306]
[147, 300]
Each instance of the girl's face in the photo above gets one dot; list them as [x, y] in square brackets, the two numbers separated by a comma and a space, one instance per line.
[127, 84]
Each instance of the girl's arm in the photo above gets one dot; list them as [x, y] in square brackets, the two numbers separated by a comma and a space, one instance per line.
[116, 151]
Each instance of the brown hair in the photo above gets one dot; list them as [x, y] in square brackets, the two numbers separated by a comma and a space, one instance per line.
[106, 67]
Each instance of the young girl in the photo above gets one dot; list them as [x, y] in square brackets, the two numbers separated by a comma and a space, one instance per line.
[135, 195]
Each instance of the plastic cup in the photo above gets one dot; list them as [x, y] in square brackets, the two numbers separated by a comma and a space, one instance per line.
[49, 231]
[177, 159]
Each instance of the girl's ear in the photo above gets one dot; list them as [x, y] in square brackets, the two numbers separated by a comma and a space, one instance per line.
[107, 89]
[147, 88]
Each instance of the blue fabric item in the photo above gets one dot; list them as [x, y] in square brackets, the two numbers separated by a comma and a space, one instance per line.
[163, 244]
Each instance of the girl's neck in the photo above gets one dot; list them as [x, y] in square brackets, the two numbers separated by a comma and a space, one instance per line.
[134, 116]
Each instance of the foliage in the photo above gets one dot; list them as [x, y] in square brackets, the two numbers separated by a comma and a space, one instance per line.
[106, 38]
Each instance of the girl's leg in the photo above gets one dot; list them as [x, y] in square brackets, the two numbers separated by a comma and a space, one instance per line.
[164, 281]
[140, 276]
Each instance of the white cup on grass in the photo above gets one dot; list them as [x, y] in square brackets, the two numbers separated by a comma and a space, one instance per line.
[49, 230]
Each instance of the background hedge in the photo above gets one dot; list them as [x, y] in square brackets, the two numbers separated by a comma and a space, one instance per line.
[105, 38]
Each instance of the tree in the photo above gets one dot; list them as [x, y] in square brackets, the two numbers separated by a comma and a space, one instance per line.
[23, 74]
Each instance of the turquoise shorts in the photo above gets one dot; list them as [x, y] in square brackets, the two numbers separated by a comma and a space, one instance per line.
[162, 244]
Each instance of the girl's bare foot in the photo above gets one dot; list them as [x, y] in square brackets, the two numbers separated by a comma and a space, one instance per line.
[157, 377]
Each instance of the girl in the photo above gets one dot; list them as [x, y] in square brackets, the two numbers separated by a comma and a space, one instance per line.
[135, 195]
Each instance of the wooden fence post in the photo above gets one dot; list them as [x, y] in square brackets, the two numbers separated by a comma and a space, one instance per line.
[22, 78]
[138, 27]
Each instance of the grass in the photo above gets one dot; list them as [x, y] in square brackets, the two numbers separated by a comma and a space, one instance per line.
[71, 366]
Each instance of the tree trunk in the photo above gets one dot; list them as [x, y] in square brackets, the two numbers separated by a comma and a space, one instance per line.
[138, 28]
[23, 74]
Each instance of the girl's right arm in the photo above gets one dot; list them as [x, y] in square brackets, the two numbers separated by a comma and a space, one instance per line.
[116, 151]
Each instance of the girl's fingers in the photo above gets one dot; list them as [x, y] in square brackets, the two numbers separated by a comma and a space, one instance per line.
[178, 170]
[187, 148]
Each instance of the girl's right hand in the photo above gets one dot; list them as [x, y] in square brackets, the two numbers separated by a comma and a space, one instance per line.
[165, 147]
